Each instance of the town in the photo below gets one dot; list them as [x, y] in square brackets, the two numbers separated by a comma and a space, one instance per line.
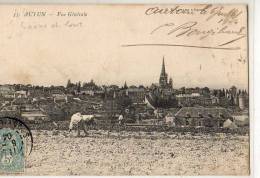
[158, 104]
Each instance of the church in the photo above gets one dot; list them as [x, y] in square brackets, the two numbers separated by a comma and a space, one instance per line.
[162, 95]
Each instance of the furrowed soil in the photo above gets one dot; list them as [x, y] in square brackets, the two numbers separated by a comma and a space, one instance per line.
[137, 153]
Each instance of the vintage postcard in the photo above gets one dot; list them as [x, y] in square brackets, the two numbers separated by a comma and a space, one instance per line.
[124, 90]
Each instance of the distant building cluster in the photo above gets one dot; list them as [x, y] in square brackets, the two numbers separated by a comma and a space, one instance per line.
[205, 97]
[192, 106]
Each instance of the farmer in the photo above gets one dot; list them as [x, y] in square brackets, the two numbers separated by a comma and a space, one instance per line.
[156, 113]
[120, 119]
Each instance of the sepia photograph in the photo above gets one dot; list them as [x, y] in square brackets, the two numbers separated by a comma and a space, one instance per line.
[124, 90]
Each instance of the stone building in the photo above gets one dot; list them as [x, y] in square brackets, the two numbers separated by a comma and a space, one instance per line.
[137, 95]
[202, 116]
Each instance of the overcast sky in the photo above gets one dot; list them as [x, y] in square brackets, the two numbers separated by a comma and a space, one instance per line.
[50, 55]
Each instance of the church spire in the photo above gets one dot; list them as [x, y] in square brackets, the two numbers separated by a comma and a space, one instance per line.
[163, 81]
[163, 68]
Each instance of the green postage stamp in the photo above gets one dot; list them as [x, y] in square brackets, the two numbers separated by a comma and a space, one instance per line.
[11, 151]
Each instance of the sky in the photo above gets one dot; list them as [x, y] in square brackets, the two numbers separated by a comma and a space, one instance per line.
[49, 50]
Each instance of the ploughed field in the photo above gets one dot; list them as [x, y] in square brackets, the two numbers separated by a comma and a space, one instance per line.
[102, 152]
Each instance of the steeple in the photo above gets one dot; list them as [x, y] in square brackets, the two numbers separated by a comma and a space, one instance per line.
[163, 81]
[163, 68]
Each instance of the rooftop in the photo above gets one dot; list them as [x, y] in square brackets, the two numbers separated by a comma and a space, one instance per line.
[215, 112]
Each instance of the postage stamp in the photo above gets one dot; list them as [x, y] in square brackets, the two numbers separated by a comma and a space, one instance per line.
[11, 151]
[16, 144]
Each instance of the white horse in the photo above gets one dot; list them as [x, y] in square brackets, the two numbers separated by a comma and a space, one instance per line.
[77, 119]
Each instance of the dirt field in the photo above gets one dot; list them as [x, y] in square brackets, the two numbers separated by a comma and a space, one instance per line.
[103, 153]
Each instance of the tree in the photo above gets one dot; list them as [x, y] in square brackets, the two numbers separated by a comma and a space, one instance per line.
[68, 84]
[206, 90]
[183, 90]
[215, 92]
[141, 86]
[223, 92]
[124, 101]
[233, 90]
[78, 86]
